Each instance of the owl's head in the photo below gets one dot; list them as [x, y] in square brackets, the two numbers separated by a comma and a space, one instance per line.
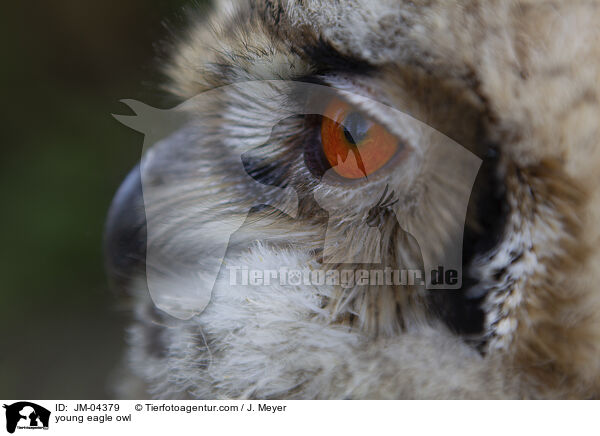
[404, 135]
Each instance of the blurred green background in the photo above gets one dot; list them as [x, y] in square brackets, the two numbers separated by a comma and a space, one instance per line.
[65, 66]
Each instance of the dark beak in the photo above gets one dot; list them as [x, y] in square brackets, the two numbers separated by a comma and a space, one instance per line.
[125, 232]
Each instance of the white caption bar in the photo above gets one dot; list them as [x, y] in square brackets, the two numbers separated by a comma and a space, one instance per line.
[28, 417]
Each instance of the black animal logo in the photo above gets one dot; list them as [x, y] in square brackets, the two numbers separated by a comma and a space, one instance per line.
[26, 414]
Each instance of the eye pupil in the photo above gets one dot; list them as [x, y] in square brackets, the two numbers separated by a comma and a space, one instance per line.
[356, 128]
[353, 144]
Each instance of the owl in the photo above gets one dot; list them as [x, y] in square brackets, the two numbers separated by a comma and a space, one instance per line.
[449, 147]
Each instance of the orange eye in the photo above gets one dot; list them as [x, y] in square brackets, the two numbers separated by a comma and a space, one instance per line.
[354, 145]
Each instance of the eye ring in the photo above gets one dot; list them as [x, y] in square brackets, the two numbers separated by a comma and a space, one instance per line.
[354, 145]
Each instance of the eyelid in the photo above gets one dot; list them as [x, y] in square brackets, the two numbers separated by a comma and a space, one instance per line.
[400, 125]
[351, 91]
